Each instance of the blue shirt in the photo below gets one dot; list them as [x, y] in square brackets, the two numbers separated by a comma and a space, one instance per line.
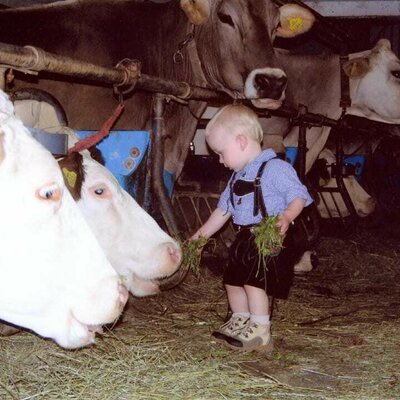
[280, 185]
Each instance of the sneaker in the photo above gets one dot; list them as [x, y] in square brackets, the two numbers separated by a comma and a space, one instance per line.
[231, 328]
[253, 337]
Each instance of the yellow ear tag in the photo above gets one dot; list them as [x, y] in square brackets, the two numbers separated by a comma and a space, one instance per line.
[70, 176]
[295, 24]
[354, 69]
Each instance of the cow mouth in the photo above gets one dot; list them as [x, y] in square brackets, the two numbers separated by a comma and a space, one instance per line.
[270, 104]
[265, 87]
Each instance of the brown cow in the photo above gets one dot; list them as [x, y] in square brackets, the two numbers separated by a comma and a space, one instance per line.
[231, 51]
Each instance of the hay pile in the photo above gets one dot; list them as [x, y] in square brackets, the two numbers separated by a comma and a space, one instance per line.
[336, 338]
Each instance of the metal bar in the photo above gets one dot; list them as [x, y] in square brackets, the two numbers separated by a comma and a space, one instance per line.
[339, 174]
[157, 155]
[302, 148]
[35, 59]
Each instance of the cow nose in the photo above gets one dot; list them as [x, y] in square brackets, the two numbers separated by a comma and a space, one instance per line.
[270, 86]
[123, 294]
[175, 253]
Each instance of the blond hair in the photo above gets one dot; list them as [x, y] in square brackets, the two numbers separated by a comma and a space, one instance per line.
[237, 119]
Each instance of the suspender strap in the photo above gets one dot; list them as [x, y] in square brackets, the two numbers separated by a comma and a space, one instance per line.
[231, 189]
[259, 204]
[258, 196]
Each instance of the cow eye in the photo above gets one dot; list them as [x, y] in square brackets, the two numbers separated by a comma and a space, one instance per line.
[226, 19]
[99, 191]
[49, 192]
[396, 74]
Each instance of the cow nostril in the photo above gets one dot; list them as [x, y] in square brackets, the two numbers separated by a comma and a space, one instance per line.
[262, 82]
[281, 82]
[270, 86]
[175, 253]
[123, 293]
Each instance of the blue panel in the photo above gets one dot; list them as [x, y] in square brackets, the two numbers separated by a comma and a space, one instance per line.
[358, 161]
[169, 181]
[291, 154]
[122, 151]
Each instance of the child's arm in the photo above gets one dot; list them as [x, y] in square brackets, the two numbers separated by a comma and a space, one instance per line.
[292, 211]
[214, 223]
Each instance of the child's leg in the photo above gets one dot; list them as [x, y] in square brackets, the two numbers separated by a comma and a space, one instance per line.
[237, 299]
[256, 335]
[258, 304]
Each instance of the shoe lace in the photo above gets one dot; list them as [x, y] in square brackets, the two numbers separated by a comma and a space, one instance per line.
[234, 323]
[249, 330]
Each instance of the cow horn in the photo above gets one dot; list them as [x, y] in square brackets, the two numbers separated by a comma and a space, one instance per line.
[197, 11]
[294, 20]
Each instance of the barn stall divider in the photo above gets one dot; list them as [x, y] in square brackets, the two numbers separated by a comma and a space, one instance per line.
[30, 59]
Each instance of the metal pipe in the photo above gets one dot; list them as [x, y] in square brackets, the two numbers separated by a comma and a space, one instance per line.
[339, 174]
[157, 171]
[31, 58]
[301, 152]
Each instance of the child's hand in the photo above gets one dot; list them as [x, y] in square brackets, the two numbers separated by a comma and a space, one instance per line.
[283, 224]
[195, 236]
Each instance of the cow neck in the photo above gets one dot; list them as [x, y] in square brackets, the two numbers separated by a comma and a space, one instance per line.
[194, 59]
[345, 98]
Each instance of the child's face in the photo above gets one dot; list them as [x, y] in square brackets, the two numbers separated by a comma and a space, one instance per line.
[229, 147]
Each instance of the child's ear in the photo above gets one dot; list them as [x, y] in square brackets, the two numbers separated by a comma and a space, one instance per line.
[243, 140]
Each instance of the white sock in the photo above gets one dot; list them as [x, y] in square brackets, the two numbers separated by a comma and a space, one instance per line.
[246, 315]
[260, 319]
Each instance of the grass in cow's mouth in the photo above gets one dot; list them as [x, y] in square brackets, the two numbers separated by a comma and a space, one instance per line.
[191, 250]
[267, 237]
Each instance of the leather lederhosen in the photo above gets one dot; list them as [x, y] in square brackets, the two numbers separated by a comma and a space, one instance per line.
[274, 274]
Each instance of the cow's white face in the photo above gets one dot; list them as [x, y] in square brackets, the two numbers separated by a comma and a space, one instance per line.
[135, 245]
[54, 277]
[378, 92]
[363, 203]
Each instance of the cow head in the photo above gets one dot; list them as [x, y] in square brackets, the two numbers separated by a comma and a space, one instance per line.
[55, 278]
[375, 75]
[234, 44]
[333, 205]
[139, 250]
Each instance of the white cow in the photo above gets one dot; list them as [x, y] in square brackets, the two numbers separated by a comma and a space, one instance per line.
[54, 277]
[139, 250]
[315, 81]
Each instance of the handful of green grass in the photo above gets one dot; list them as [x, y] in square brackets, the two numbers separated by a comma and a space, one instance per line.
[267, 237]
[191, 250]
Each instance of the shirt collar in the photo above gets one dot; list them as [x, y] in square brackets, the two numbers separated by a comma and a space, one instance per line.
[265, 155]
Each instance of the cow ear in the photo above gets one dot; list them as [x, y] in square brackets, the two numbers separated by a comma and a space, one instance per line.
[294, 20]
[95, 153]
[197, 11]
[73, 173]
[357, 67]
